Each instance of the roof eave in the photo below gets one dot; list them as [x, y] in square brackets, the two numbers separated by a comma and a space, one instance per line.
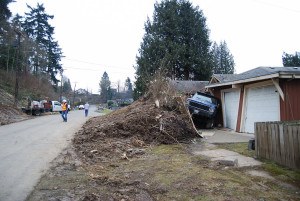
[265, 77]
[289, 75]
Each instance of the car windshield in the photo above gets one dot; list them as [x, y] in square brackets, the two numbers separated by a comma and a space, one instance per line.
[203, 98]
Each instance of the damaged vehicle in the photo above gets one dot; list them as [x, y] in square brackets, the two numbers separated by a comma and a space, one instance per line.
[203, 109]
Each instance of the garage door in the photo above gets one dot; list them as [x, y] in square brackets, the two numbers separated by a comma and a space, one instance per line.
[262, 104]
[231, 101]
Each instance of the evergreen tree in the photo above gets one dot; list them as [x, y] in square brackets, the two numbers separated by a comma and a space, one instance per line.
[105, 88]
[5, 13]
[222, 59]
[128, 85]
[47, 54]
[291, 60]
[176, 41]
[67, 86]
[128, 88]
[7, 35]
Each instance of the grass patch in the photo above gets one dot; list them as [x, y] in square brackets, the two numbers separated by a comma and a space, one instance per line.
[105, 111]
[165, 172]
[285, 174]
[167, 149]
[241, 148]
[280, 172]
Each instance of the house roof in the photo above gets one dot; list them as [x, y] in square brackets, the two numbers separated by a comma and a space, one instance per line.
[188, 86]
[256, 74]
[221, 78]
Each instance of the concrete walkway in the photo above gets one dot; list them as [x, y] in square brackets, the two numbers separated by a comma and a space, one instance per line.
[225, 136]
[223, 156]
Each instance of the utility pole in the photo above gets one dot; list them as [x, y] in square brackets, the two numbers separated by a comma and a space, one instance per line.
[61, 84]
[74, 96]
[16, 94]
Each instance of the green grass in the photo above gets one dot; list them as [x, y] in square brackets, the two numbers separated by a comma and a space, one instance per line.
[106, 111]
[241, 148]
[166, 172]
[284, 173]
[278, 171]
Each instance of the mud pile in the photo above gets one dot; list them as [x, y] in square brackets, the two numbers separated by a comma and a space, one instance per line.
[10, 114]
[123, 133]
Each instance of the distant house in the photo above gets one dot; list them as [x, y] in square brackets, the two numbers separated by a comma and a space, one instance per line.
[188, 87]
[258, 95]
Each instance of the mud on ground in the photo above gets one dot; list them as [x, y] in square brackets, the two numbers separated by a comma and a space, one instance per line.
[10, 114]
[163, 172]
[125, 131]
[142, 153]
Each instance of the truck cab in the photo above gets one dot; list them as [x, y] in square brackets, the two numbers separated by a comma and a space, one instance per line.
[56, 106]
[203, 108]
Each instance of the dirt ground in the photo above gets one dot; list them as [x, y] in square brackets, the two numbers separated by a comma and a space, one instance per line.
[145, 153]
[9, 114]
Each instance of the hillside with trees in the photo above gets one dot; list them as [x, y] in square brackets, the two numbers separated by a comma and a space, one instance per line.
[29, 55]
[176, 41]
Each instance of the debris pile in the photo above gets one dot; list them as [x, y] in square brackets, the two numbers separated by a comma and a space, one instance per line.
[158, 118]
[10, 114]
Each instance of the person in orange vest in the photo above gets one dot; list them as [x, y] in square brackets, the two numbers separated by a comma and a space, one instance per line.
[64, 113]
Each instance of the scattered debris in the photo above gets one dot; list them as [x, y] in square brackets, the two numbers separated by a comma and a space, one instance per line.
[10, 114]
[158, 118]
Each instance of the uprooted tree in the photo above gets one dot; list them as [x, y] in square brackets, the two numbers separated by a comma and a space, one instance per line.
[158, 117]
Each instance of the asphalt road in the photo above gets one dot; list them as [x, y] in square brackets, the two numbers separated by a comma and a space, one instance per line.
[28, 147]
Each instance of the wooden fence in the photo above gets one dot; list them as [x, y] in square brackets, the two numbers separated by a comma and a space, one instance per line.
[279, 142]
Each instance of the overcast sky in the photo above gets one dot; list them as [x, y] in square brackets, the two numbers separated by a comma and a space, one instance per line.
[105, 35]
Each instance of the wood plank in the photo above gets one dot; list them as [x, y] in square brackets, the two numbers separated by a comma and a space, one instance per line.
[276, 143]
[296, 145]
[281, 144]
[291, 147]
[267, 142]
[285, 146]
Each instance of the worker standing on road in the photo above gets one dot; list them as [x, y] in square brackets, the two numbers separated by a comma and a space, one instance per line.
[86, 109]
[64, 113]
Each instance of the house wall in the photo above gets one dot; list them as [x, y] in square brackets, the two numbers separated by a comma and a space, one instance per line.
[217, 93]
[290, 107]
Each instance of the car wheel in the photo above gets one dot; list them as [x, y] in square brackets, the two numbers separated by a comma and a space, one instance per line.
[210, 124]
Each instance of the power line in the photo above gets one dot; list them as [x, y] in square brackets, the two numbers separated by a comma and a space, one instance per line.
[87, 69]
[277, 6]
[96, 70]
[92, 63]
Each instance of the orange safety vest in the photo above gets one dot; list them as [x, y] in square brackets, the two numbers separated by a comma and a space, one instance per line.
[64, 106]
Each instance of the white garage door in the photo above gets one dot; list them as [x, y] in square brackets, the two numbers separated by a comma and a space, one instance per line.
[262, 104]
[231, 100]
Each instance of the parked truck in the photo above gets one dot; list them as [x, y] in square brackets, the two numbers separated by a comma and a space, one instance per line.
[32, 107]
[37, 107]
[203, 108]
[55, 106]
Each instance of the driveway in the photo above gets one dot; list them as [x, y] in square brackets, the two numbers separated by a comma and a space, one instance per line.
[28, 147]
[215, 136]
[225, 136]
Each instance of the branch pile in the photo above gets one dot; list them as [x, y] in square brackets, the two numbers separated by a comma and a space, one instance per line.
[158, 118]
